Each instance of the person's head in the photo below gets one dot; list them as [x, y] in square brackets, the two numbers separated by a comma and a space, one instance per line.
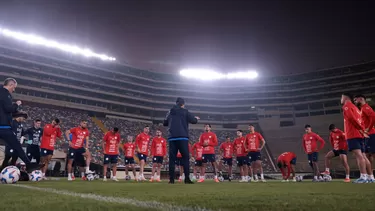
[10, 84]
[129, 139]
[20, 119]
[239, 133]
[251, 128]
[83, 124]
[115, 130]
[55, 122]
[180, 102]
[20, 116]
[146, 129]
[345, 97]
[360, 100]
[37, 123]
[332, 128]
[308, 128]
[207, 127]
[158, 133]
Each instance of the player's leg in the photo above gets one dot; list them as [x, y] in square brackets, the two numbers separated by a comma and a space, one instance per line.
[153, 169]
[71, 155]
[221, 166]
[134, 171]
[261, 170]
[368, 169]
[158, 166]
[230, 168]
[356, 146]
[114, 167]
[173, 148]
[344, 161]
[203, 168]
[6, 160]
[195, 170]
[29, 152]
[36, 154]
[327, 161]
[216, 168]
[250, 170]
[45, 168]
[183, 147]
[105, 167]
[181, 171]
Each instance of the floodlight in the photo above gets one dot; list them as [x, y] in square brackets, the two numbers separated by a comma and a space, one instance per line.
[206, 74]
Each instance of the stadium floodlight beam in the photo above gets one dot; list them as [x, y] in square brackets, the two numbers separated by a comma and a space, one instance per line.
[37, 40]
[206, 74]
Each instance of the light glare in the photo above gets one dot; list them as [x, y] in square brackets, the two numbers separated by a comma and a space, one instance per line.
[204, 74]
[37, 40]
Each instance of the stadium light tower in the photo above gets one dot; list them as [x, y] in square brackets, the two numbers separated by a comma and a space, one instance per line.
[206, 74]
[37, 40]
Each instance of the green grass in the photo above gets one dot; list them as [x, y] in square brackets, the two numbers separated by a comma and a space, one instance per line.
[273, 195]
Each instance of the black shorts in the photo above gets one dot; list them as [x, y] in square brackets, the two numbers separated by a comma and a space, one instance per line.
[142, 157]
[157, 159]
[198, 163]
[33, 151]
[228, 161]
[179, 162]
[45, 152]
[254, 156]
[356, 143]
[370, 144]
[110, 159]
[313, 157]
[77, 156]
[9, 151]
[129, 161]
[243, 160]
[339, 152]
[208, 158]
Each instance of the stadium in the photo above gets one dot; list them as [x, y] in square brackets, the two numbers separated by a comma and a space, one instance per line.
[57, 84]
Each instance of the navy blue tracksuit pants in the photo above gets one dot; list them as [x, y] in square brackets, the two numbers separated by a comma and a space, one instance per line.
[174, 147]
[10, 139]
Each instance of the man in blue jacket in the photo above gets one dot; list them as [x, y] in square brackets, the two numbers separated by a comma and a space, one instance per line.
[178, 119]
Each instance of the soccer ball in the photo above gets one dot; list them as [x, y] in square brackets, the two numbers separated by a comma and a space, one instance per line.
[10, 175]
[327, 178]
[90, 177]
[127, 177]
[299, 178]
[36, 176]
[221, 179]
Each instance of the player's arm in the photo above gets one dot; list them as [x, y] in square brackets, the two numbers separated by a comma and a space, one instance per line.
[221, 150]
[165, 149]
[153, 147]
[8, 105]
[137, 143]
[166, 120]
[67, 133]
[201, 141]
[321, 141]
[58, 132]
[215, 142]
[289, 168]
[87, 142]
[246, 144]
[370, 114]
[304, 145]
[263, 142]
[104, 141]
[348, 113]
[191, 118]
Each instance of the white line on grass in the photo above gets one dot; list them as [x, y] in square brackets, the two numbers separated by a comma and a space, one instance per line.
[128, 201]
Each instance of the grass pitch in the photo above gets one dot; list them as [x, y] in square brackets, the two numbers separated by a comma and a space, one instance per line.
[125, 195]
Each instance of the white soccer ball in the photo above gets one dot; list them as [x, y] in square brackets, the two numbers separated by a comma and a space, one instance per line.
[10, 175]
[327, 178]
[221, 179]
[90, 177]
[127, 177]
[36, 176]
[299, 178]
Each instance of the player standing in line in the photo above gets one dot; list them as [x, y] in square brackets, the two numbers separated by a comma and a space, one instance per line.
[129, 151]
[209, 141]
[226, 151]
[286, 162]
[254, 144]
[80, 136]
[34, 134]
[142, 144]
[241, 156]
[310, 146]
[197, 153]
[340, 148]
[111, 145]
[180, 165]
[368, 119]
[354, 132]
[159, 153]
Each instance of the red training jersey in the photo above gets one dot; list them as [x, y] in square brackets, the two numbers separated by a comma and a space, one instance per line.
[338, 140]
[112, 142]
[286, 157]
[253, 141]
[142, 141]
[79, 136]
[352, 121]
[310, 143]
[129, 150]
[239, 146]
[49, 136]
[227, 148]
[368, 117]
[179, 154]
[210, 139]
[159, 146]
[197, 151]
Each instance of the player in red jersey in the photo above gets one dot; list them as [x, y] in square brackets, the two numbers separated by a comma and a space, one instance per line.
[129, 152]
[179, 163]
[197, 152]
[310, 146]
[239, 149]
[226, 152]
[111, 146]
[286, 162]
[209, 141]
[142, 143]
[368, 118]
[159, 153]
[340, 148]
[47, 146]
[254, 144]
[354, 132]
[77, 150]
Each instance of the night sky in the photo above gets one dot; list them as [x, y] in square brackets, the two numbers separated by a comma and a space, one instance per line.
[273, 37]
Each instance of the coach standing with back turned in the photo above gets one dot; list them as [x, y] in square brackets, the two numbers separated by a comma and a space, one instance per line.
[178, 119]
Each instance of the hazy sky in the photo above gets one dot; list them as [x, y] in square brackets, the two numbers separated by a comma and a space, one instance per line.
[273, 37]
